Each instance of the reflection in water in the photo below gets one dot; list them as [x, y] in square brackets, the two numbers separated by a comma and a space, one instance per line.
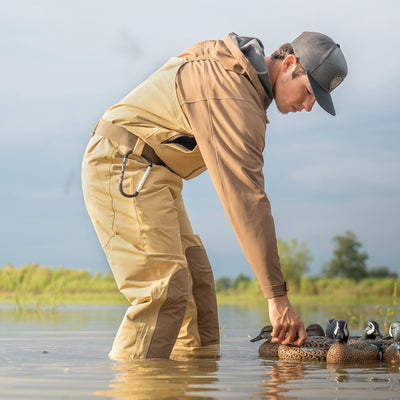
[369, 371]
[163, 379]
[319, 380]
[279, 373]
[63, 354]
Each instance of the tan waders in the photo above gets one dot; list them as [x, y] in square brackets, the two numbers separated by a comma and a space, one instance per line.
[159, 264]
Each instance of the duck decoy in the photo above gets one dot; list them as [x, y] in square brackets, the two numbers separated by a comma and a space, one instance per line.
[330, 327]
[370, 332]
[393, 329]
[389, 338]
[267, 349]
[342, 352]
[265, 333]
[315, 330]
[315, 348]
[391, 354]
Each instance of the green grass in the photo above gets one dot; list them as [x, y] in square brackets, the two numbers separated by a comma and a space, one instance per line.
[38, 287]
[379, 292]
[336, 291]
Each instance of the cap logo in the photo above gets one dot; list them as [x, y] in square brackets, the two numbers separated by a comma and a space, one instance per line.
[335, 81]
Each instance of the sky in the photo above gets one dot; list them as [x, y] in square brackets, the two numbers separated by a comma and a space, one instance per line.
[64, 65]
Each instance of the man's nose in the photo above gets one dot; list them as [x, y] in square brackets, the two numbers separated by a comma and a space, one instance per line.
[309, 103]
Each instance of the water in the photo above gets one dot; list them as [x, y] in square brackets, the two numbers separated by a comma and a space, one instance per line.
[63, 355]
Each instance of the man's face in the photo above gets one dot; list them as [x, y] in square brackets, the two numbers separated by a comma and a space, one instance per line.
[292, 95]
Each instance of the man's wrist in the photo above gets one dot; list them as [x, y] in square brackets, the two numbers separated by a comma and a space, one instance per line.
[278, 300]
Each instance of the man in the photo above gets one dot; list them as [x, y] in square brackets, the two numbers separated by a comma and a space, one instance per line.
[202, 109]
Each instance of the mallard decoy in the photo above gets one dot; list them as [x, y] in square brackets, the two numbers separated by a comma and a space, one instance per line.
[267, 349]
[391, 354]
[342, 352]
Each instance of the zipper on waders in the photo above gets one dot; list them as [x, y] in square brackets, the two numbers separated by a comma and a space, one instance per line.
[141, 183]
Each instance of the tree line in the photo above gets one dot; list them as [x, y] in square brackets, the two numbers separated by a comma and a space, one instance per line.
[348, 261]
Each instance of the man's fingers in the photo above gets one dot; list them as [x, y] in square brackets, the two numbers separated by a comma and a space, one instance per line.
[302, 336]
[279, 333]
[288, 327]
[276, 329]
[291, 335]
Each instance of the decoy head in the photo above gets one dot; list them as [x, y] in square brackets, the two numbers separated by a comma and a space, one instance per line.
[330, 326]
[394, 331]
[315, 330]
[264, 334]
[340, 331]
[371, 330]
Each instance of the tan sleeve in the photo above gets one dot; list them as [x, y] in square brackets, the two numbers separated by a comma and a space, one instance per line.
[229, 123]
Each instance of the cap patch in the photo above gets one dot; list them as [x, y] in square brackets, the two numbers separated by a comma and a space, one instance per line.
[335, 81]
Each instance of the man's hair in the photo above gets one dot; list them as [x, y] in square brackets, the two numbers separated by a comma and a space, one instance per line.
[283, 51]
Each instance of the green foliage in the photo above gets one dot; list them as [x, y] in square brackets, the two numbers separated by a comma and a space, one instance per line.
[348, 260]
[241, 282]
[338, 291]
[308, 285]
[223, 283]
[35, 286]
[390, 311]
[247, 292]
[381, 272]
[295, 259]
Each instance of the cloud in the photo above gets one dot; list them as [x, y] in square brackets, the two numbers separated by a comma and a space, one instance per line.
[380, 173]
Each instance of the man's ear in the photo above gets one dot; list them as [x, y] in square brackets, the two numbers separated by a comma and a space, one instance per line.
[289, 62]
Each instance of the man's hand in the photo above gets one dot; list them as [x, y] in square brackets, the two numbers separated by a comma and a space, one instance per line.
[286, 322]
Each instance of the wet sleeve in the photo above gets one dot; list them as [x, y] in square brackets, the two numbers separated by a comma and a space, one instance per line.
[229, 127]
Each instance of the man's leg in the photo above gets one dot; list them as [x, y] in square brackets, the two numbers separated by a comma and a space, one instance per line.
[200, 331]
[142, 242]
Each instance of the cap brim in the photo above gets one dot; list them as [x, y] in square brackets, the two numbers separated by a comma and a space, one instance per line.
[323, 98]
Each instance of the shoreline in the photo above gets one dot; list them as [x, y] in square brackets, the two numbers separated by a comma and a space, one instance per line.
[49, 299]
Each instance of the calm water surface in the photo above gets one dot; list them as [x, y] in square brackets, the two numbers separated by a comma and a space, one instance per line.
[63, 355]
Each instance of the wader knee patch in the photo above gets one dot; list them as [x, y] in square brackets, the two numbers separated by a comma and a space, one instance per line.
[170, 316]
[204, 294]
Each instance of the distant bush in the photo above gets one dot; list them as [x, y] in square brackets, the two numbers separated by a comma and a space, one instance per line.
[223, 283]
[241, 282]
